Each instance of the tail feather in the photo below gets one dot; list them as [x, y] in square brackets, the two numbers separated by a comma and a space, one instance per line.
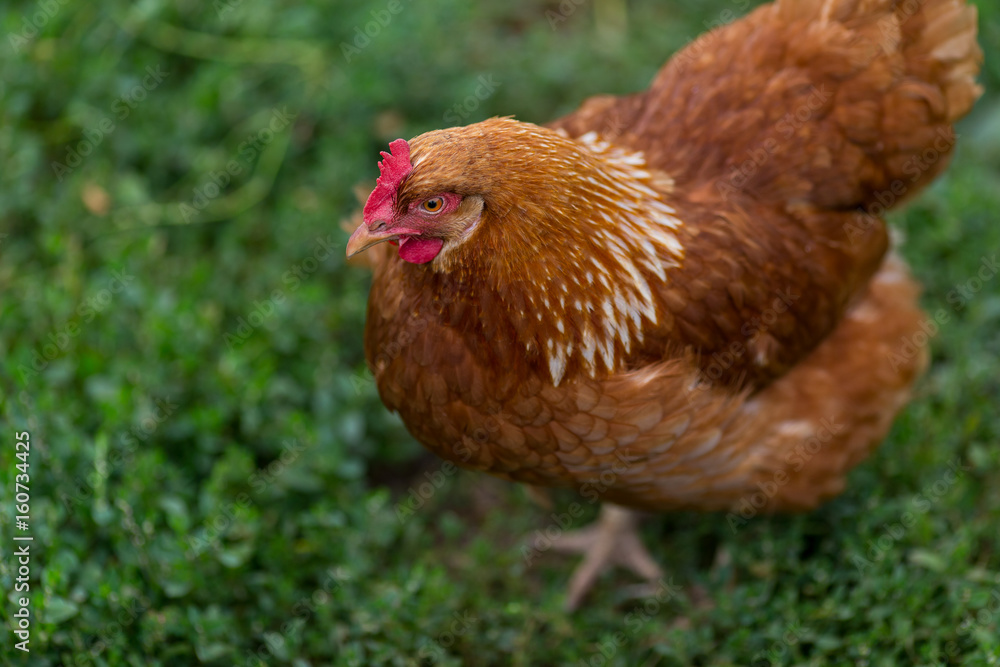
[936, 39]
[829, 102]
[939, 46]
[916, 63]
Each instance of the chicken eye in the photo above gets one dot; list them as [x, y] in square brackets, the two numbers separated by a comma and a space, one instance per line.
[433, 205]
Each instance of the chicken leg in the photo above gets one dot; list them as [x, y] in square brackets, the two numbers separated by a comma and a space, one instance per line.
[611, 540]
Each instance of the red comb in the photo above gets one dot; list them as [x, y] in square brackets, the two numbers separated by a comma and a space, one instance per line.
[394, 167]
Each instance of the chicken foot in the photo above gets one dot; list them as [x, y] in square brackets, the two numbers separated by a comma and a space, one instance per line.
[611, 540]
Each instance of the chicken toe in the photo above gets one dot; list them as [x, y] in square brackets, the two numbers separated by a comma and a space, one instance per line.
[612, 540]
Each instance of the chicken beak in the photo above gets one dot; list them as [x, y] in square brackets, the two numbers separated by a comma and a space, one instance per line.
[363, 238]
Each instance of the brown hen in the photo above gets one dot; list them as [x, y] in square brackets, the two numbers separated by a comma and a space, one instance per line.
[679, 299]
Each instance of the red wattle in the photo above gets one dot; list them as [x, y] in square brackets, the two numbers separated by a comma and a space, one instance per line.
[416, 250]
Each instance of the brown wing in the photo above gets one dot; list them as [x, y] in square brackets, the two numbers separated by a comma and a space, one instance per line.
[787, 135]
[761, 286]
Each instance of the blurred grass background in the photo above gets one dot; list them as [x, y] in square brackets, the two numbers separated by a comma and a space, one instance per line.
[213, 478]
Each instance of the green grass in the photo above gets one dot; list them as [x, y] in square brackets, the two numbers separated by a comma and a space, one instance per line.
[212, 474]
